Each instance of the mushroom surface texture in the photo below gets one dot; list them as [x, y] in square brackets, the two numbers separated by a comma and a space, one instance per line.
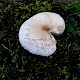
[35, 33]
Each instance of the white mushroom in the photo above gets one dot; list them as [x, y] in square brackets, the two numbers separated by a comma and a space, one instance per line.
[35, 33]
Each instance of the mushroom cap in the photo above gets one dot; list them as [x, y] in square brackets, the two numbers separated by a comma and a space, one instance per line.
[35, 33]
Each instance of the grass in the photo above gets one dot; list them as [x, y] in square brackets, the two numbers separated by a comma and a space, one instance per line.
[17, 63]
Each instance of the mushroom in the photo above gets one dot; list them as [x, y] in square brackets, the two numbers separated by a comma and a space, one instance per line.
[35, 33]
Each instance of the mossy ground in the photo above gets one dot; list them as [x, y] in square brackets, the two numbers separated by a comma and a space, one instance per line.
[17, 63]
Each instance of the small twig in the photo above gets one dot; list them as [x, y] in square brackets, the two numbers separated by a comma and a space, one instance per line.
[11, 12]
[6, 48]
[72, 14]
[21, 70]
[77, 14]
[22, 61]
